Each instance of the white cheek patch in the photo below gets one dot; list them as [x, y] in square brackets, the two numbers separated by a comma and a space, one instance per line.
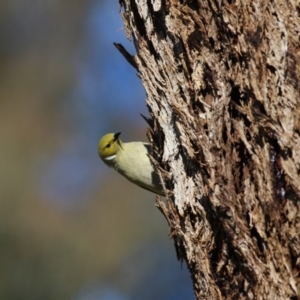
[111, 157]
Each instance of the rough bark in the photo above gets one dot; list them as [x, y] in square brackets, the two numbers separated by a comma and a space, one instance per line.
[222, 83]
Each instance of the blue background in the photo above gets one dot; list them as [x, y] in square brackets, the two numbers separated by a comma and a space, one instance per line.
[70, 227]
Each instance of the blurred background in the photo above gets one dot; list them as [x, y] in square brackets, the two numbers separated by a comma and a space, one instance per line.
[71, 228]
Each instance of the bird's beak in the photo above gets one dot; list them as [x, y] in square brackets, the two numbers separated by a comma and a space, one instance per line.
[117, 140]
[116, 135]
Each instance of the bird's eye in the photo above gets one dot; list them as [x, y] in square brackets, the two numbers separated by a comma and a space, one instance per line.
[107, 146]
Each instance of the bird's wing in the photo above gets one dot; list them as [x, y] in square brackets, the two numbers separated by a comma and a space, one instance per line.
[150, 190]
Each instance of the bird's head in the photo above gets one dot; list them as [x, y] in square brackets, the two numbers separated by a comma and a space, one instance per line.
[108, 146]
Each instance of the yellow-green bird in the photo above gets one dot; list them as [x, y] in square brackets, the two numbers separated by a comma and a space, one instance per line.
[131, 160]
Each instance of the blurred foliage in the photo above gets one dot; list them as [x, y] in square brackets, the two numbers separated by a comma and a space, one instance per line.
[104, 237]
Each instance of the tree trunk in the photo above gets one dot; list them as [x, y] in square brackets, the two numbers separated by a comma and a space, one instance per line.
[222, 81]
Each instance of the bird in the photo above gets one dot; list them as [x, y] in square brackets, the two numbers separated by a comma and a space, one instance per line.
[131, 160]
